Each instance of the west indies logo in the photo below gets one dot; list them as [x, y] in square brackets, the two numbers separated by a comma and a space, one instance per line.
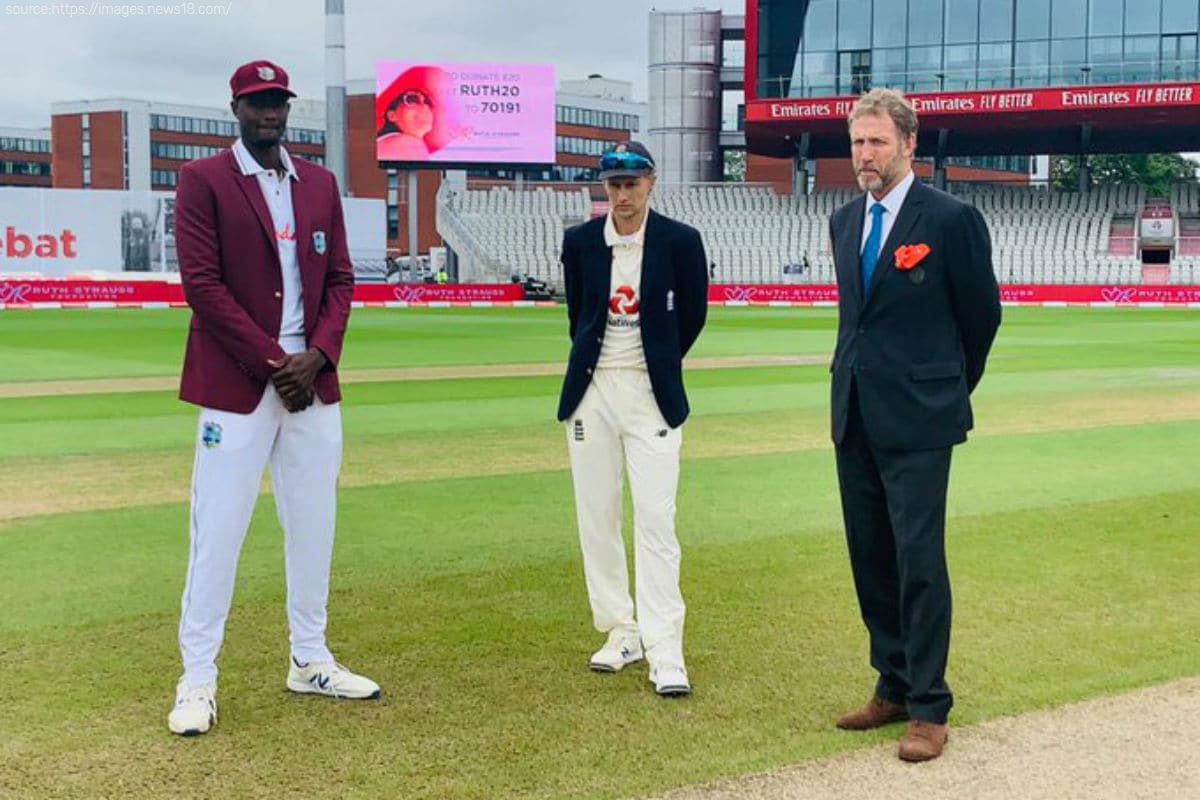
[624, 301]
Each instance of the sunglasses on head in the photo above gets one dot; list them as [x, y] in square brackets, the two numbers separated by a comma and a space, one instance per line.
[624, 160]
[413, 98]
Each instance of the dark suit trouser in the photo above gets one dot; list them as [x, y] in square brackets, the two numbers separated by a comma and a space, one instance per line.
[894, 506]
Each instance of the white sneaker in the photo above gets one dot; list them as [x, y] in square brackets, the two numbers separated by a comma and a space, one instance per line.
[195, 710]
[624, 647]
[670, 680]
[330, 679]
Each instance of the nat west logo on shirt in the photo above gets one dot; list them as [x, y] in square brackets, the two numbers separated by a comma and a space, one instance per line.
[623, 309]
[624, 302]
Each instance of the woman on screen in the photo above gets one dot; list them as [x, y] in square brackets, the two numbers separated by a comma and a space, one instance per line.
[412, 115]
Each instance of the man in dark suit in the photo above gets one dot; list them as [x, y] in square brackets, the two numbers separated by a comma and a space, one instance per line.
[918, 308]
[637, 296]
[266, 271]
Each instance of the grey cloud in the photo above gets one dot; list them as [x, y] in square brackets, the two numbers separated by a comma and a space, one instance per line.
[188, 59]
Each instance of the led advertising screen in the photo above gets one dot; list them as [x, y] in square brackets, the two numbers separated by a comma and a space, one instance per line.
[463, 115]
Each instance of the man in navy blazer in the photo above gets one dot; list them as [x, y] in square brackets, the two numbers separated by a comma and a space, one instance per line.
[637, 296]
[918, 308]
[266, 271]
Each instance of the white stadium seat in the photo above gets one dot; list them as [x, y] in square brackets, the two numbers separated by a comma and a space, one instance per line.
[751, 233]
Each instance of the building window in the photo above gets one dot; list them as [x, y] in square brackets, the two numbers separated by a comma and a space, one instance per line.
[1141, 18]
[995, 65]
[13, 144]
[182, 152]
[1179, 57]
[1105, 59]
[1179, 16]
[164, 177]
[393, 222]
[854, 25]
[891, 24]
[996, 20]
[855, 72]
[1031, 63]
[1106, 18]
[1069, 19]
[1141, 58]
[1067, 60]
[925, 69]
[960, 67]
[37, 169]
[819, 75]
[924, 22]
[1033, 19]
[820, 25]
[962, 21]
[888, 69]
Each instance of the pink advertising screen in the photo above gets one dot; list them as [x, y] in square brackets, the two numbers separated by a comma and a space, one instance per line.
[454, 114]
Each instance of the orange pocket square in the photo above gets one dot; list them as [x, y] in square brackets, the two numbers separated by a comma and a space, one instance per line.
[909, 255]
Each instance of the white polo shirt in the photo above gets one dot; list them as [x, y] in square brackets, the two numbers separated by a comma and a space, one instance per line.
[622, 347]
[277, 192]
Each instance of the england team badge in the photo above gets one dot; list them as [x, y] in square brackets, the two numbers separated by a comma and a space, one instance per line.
[319, 242]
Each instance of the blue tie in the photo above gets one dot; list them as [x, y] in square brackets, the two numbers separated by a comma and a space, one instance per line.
[870, 253]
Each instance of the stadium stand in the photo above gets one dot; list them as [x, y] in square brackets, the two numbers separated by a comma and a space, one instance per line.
[754, 235]
[500, 232]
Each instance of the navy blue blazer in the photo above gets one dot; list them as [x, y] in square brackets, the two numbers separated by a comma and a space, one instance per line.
[673, 298]
[916, 347]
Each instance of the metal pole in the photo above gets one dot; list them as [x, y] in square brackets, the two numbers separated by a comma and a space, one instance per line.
[335, 90]
[800, 165]
[412, 219]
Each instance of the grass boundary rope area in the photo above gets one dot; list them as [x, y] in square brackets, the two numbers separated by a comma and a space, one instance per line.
[457, 583]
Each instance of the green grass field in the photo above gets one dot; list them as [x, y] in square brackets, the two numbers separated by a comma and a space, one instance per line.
[1074, 548]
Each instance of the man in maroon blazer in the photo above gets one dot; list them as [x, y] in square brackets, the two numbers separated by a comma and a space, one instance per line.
[265, 268]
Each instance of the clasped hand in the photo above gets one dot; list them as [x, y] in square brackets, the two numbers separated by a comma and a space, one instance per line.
[294, 376]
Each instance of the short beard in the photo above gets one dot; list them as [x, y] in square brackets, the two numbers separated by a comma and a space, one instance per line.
[252, 139]
[870, 184]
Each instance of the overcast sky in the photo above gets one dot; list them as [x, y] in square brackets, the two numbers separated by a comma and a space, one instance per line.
[188, 59]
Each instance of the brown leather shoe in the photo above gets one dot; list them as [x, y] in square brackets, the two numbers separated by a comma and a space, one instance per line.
[923, 741]
[876, 713]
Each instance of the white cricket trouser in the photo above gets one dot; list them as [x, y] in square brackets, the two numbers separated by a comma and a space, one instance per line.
[617, 417]
[305, 453]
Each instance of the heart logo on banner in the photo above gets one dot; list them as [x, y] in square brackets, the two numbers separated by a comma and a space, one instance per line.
[740, 294]
[1115, 294]
[409, 294]
[14, 292]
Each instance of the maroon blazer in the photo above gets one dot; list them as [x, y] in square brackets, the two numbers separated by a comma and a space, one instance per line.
[229, 263]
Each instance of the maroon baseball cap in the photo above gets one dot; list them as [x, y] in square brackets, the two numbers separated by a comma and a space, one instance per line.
[259, 76]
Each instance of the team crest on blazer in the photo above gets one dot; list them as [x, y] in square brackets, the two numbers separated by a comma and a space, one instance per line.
[319, 242]
[916, 274]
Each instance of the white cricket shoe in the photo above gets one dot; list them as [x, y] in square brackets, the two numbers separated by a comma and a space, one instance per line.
[330, 679]
[670, 680]
[195, 709]
[624, 647]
